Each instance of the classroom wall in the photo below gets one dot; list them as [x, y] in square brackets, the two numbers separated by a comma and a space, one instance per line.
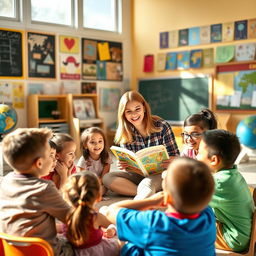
[150, 17]
[125, 38]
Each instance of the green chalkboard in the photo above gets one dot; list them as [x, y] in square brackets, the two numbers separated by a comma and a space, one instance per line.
[176, 98]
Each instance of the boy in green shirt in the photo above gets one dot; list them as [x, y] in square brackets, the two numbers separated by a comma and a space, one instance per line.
[232, 201]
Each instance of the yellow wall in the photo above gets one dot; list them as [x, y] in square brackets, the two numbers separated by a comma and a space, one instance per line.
[150, 17]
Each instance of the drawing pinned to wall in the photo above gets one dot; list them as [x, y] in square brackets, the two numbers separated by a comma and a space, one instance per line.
[228, 31]
[11, 53]
[70, 87]
[41, 55]
[88, 87]
[69, 44]
[109, 99]
[5, 93]
[35, 88]
[70, 66]
[245, 52]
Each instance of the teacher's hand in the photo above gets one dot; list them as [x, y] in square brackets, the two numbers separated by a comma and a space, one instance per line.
[166, 162]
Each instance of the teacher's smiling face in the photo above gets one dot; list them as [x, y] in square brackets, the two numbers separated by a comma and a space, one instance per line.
[134, 113]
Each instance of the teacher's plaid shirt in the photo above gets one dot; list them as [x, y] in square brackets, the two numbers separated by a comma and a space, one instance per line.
[164, 137]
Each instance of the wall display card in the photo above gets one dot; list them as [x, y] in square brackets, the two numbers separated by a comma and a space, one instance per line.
[35, 88]
[183, 37]
[69, 44]
[251, 26]
[173, 39]
[171, 61]
[102, 60]
[196, 58]
[245, 52]
[240, 29]
[208, 58]
[205, 34]
[88, 87]
[70, 66]
[148, 63]
[109, 99]
[216, 33]
[228, 31]
[70, 87]
[194, 36]
[183, 60]
[225, 53]
[11, 53]
[6, 92]
[164, 40]
[161, 61]
[41, 55]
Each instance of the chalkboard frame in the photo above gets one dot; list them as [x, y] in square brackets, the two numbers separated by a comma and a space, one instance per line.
[20, 52]
[231, 67]
[209, 81]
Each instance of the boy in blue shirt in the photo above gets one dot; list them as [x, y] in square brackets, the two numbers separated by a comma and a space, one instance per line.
[232, 201]
[187, 227]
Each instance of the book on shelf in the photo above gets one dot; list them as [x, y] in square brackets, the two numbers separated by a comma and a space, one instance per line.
[84, 109]
[240, 29]
[145, 162]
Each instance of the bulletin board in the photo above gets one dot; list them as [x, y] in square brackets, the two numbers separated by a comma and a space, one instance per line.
[235, 87]
[11, 53]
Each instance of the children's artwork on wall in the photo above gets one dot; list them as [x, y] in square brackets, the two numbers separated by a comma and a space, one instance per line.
[228, 31]
[88, 87]
[148, 63]
[225, 53]
[69, 44]
[196, 58]
[245, 52]
[171, 61]
[205, 34]
[161, 61]
[216, 33]
[208, 59]
[251, 28]
[109, 99]
[51, 88]
[194, 36]
[35, 88]
[72, 87]
[183, 37]
[5, 93]
[173, 39]
[164, 40]
[183, 60]
[240, 29]
[70, 66]
[41, 55]
[11, 53]
[101, 60]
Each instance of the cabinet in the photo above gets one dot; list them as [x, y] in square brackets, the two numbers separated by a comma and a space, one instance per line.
[48, 110]
[78, 125]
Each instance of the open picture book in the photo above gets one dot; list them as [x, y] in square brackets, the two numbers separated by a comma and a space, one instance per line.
[145, 162]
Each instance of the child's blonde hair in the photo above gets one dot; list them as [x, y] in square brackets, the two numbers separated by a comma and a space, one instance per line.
[59, 140]
[81, 190]
[124, 133]
[104, 155]
[190, 185]
[22, 147]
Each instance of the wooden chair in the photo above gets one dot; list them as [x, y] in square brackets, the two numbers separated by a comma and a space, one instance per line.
[24, 246]
[251, 249]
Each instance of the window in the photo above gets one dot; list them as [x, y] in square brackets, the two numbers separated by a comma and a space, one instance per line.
[101, 14]
[53, 11]
[9, 9]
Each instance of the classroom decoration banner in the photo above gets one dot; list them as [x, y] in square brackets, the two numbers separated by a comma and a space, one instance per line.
[102, 60]
[41, 55]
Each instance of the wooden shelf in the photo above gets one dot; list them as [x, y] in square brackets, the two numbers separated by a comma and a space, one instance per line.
[49, 120]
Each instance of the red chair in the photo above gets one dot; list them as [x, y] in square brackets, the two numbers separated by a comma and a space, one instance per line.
[24, 246]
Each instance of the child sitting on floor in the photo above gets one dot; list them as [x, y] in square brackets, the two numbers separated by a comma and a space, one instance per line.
[232, 201]
[188, 225]
[28, 204]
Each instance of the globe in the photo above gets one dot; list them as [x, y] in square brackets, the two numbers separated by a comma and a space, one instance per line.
[246, 132]
[8, 118]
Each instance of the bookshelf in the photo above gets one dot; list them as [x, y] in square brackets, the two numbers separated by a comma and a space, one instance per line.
[78, 125]
[40, 111]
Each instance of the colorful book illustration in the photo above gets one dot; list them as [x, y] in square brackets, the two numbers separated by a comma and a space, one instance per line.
[216, 33]
[183, 37]
[240, 29]
[205, 34]
[228, 31]
[183, 60]
[196, 58]
[245, 52]
[208, 59]
[225, 53]
[161, 60]
[251, 26]
[173, 39]
[164, 40]
[171, 60]
[148, 63]
[145, 162]
[194, 36]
